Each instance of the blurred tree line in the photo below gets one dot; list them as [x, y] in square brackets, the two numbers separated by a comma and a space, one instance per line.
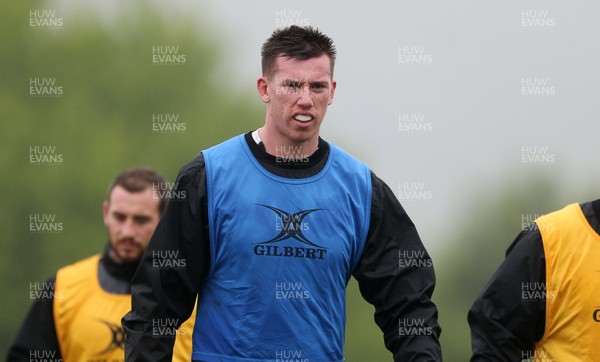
[105, 121]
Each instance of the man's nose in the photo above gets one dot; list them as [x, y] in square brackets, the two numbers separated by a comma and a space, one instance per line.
[305, 99]
[128, 229]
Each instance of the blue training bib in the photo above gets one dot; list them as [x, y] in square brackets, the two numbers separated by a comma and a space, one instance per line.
[282, 252]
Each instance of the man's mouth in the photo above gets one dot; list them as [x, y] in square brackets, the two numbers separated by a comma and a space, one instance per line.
[303, 118]
[128, 244]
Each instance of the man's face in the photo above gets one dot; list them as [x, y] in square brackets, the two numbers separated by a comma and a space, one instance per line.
[131, 218]
[297, 96]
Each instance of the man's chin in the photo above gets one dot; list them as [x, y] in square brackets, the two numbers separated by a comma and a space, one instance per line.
[129, 257]
[302, 135]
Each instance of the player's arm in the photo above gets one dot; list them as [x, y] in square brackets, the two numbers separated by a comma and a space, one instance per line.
[400, 292]
[166, 284]
[509, 315]
[37, 335]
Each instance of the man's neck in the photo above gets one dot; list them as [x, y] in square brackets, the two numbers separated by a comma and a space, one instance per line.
[279, 147]
[115, 277]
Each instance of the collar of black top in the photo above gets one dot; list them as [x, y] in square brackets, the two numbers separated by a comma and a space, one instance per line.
[258, 150]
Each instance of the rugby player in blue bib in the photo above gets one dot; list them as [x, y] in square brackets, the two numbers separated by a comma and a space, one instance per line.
[274, 224]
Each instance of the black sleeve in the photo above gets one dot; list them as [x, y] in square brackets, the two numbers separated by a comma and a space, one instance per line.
[169, 276]
[37, 335]
[396, 275]
[509, 315]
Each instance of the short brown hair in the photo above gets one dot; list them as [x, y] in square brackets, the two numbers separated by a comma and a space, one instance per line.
[298, 43]
[139, 179]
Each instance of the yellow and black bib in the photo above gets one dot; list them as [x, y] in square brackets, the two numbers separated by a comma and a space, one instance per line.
[572, 250]
[88, 319]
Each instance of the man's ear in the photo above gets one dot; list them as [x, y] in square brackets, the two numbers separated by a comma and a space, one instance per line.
[105, 207]
[333, 85]
[263, 88]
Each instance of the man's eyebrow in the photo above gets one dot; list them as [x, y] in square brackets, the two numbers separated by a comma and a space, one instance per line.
[291, 81]
[322, 83]
[141, 217]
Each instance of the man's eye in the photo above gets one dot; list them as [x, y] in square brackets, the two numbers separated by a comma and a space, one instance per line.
[291, 83]
[141, 220]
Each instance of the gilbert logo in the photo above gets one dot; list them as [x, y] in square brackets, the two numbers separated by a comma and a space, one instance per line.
[596, 315]
[290, 226]
[117, 337]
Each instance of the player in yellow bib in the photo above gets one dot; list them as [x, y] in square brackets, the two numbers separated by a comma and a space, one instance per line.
[543, 302]
[76, 316]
